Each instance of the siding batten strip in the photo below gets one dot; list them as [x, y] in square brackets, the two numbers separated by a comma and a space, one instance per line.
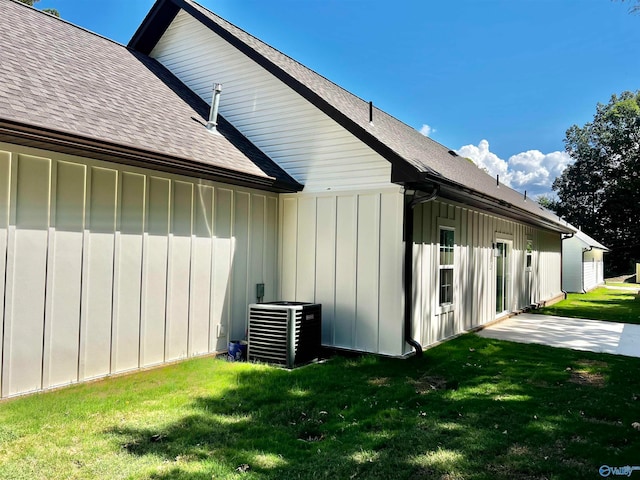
[116, 259]
[5, 196]
[82, 286]
[189, 292]
[46, 314]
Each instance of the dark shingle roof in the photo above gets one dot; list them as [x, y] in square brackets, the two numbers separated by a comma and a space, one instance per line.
[59, 77]
[412, 155]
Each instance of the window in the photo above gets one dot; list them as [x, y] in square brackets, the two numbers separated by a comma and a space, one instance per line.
[529, 254]
[447, 242]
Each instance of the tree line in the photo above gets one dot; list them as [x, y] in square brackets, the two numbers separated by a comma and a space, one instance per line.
[600, 191]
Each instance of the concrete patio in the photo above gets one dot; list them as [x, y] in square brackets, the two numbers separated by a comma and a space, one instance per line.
[573, 333]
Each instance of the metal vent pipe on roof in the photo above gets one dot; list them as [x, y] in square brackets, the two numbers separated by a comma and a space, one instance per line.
[212, 124]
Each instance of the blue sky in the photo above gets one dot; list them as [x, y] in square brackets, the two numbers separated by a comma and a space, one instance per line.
[499, 81]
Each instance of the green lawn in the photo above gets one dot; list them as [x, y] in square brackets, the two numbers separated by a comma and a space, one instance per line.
[599, 304]
[623, 284]
[472, 408]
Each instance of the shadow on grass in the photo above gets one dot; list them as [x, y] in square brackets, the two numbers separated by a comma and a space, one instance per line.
[471, 408]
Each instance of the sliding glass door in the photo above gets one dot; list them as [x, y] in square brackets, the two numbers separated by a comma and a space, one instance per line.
[503, 276]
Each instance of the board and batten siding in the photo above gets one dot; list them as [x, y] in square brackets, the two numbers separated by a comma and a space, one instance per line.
[581, 272]
[474, 286]
[593, 268]
[106, 268]
[344, 250]
[312, 148]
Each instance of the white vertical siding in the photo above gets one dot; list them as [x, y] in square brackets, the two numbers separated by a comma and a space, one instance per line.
[26, 275]
[179, 276]
[128, 273]
[98, 265]
[548, 266]
[391, 271]
[154, 274]
[325, 273]
[581, 272]
[345, 251]
[288, 247]
[593, 269]
[64, 277]
[111, 268]
[306, 248]
[346, 270]
[222, 266]
[314, 149]
[368, 273]
[201, 262]
[474, 271]
[240, 273]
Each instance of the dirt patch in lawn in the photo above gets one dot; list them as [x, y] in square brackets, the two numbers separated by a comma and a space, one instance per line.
[379, 381]
[586, 373]
[429, 383]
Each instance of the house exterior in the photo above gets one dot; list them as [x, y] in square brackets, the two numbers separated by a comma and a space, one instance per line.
[582, 263]
[132, 235]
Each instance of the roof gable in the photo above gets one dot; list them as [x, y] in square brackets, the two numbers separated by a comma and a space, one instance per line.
[417, 161]
[64, 88]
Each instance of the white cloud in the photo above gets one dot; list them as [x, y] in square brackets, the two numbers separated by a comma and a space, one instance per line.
[485, 159]
[532, 170]
[426, 130]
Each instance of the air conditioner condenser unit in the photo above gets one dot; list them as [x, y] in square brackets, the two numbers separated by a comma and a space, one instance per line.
[285, 333]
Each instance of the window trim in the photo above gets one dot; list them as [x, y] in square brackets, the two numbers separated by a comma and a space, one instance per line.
[528, 255]
[446, 306]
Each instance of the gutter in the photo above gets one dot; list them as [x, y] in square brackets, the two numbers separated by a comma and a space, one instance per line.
[496, 206]
[70, 144]
[409, 205]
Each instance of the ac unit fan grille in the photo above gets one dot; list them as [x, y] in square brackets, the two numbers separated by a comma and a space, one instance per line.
[283, 333]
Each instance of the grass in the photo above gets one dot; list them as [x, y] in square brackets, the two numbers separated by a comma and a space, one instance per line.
[471, 408]
[599, 304]
[623, 284]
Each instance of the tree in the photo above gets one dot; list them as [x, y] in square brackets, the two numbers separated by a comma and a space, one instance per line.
[600, 191]
[51, 11]
[634, 8]
[548, 202]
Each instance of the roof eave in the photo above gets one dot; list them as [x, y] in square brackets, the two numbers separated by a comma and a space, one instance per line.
[462, 194]
[63, 142]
